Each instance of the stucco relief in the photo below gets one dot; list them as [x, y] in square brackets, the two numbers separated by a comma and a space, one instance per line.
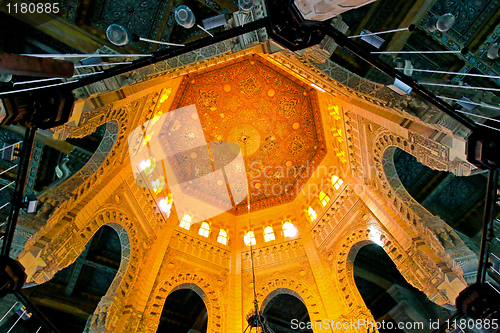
[295, 277]
[67, 245]
[176, 274]
[436, 234]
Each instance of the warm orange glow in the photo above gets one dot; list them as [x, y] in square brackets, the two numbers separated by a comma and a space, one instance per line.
[268, 234]
[336, 182]
[222, 238]
[249, 239]
[334, 111]
[186, 222]
[312, 214]
[204, 229]
[289, 230]
[227, 87]
[323, 198]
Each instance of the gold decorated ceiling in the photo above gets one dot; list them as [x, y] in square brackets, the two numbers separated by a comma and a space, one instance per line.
[252, 103]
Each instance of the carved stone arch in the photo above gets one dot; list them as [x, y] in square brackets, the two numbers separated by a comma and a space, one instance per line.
[348, 245]
[70, 242]
[444, 245]
[280, 291]
[108, 142]
[298, 288]
[197, 282]
[427, 151]
[105, 315]
[96, 171]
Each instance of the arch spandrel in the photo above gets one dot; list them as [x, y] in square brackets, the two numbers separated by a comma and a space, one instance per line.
[410, 216]
[421, 274]
[291, 285]
[182, 276]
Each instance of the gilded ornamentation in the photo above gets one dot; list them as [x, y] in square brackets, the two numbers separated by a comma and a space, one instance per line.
[208, 99]
[251, 91]
[249, 86]
[287, 107]
[296, 146]
[245, 136]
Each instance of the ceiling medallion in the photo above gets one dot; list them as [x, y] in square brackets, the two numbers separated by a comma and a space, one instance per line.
[245, 135]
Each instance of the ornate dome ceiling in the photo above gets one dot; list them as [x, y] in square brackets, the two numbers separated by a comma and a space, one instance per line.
[251, 102]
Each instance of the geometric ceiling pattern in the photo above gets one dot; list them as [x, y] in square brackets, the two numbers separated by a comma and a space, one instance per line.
[271, 115]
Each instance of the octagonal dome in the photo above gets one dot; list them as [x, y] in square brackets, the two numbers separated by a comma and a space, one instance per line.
[273, 117]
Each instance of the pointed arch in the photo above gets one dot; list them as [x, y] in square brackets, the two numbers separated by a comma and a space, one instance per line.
[70, 242]
[294, 287]
[200, 284]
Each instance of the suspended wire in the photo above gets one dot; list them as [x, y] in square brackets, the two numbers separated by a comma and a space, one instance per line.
[249, 230]
[379, 33]
[457, 86]
[446, 72]
[28, 89]
[479, 116]
[6, 314]
[412, 52]
[474, 103]
[56, 78]
[104, 64]
[85, 55]
[493, 128]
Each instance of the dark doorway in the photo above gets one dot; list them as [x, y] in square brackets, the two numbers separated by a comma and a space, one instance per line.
[390, 298]
[284, 312]
[184, 311]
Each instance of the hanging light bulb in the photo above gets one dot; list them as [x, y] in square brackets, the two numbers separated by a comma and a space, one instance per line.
[442, 23]
[184, 16]
[118, 35]
[245, 5]
[493, 51]
[5, 77]
[121, 36]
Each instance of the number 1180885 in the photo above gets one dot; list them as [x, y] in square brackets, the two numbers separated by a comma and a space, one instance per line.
[33, 8]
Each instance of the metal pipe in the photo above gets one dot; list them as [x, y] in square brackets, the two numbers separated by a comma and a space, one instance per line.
[17, 199]
[10, 145]
[381, 32]
[36, 312]
[54, 78]
[10, 329]
[457, 86]
[470, 102]
[165, 54]
[3, 188]
[456, 73]
[418, 89]
[479, 116]
[154, 58]
[412, 52]
[489, 215]
[86, 55]
[159, 42]
[104, 64]
[199, 26]
[5, 315]
[35, 88]
[7, 170]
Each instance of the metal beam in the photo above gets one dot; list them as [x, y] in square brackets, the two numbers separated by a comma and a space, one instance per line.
[17, 199]
[80, 261]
